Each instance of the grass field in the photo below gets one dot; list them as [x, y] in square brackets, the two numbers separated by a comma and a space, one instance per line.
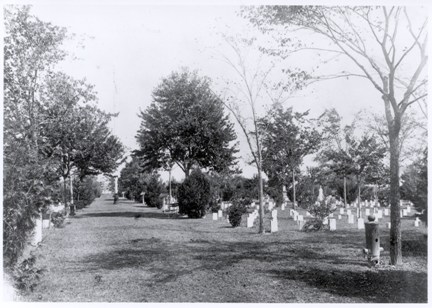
[108, 254]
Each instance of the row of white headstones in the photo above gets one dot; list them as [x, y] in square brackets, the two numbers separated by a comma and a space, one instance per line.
[330, 220]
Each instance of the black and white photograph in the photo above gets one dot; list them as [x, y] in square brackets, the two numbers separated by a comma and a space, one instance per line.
[246, 152]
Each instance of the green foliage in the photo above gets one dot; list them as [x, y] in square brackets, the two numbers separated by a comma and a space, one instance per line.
[153, 190]
[414, 186]
[322, 209]
[236, 211]
[85, 191]
[57, 219]
[27, 275]
[194, 195]
[186, 125]
[288, 137]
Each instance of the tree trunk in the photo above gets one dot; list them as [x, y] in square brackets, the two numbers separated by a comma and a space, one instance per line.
[294, 189]
[260, 196]
[64, 194]
[345, 197]
[358, 193]
[395, 230]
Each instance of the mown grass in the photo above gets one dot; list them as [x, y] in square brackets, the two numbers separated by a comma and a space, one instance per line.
[129, 253]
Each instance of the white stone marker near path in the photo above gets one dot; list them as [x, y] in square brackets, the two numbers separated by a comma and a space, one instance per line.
[416, 223]
[360, 224]
[273, 224]
[339, 216]
[37, 232]
[220, 213]
[341, 211]
[332, 224]
[215, 216]
[388, 225]
[386, 212]
[274, 214]
[350, 219]
[250, 221]
[367, 212]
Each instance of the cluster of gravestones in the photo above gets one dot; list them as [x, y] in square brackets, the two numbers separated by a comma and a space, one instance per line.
[352, 213]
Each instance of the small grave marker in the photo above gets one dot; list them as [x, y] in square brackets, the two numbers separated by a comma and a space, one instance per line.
[360, 224]
[215, 216]
[332, 224]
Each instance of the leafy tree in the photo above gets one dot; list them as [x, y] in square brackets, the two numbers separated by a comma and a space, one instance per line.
[287, 139]
[186, 125]
[414, 184]
[31, 49]
[386, 45]
[76, 131]
[360, 157]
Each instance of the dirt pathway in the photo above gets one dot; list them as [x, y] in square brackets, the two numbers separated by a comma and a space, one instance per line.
[128, 252]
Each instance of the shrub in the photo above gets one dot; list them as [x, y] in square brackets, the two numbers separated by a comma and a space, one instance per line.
[236, 211]
[154, 188]
[321, 209]
[26, 274]
[57, 219]
[194, 195]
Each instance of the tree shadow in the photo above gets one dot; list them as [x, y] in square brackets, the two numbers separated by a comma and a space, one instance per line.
[136, 215]
[383, 286]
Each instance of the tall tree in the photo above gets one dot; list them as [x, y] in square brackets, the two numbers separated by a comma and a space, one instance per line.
[386, 45]
[287, 138]
[31, 49]
[76, 131]
[186, 125]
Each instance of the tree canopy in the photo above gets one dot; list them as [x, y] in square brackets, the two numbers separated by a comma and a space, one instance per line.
[186, 125]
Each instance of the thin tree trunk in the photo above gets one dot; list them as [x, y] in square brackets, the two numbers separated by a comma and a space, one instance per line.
[260, 196]
[345, 194]
[395, 230]
[358, 194]
[294, 189]
[64, 193]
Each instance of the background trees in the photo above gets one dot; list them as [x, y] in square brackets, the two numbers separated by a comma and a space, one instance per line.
[287, 138]
[381, 42]
[186, 125]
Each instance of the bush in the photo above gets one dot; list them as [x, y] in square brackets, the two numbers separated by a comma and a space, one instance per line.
[26, 275]
[322, 209]
[236, 211]
[57, 219]
[194, 195]
[154, 189]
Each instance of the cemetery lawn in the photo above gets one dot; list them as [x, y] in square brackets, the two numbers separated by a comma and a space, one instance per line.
[131, 253]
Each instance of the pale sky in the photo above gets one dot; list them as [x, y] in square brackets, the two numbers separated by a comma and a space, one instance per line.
[127, 49]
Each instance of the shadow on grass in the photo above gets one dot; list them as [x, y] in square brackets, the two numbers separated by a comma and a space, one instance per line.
[371, 286]
[136, 215]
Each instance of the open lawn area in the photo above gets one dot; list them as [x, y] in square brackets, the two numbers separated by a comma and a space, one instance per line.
[131, 253]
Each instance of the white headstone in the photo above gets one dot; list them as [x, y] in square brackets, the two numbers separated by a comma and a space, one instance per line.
[274, 214]
[404, 212]
[367, 212]
[332, 224]
[220, 213]
[215, 216]
[46, 224]
[341, 211]
[339, 216]
[350, 219]
[386, 212]
[379, 214]
[388, 225]
[273, 225]
[416, 223]
[283, 206]
[250, 221]
[408, 209]
[360, 224]
[37, 231]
